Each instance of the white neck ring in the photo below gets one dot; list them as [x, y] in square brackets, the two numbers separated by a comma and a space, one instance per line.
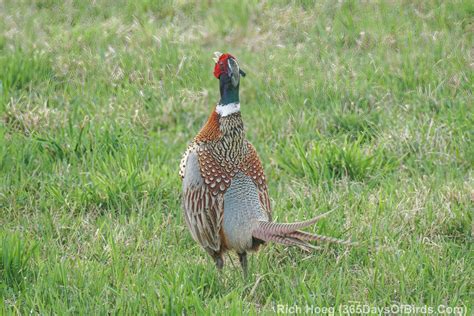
[227, 109]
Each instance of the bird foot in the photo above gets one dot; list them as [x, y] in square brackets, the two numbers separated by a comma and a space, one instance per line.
[219, 263]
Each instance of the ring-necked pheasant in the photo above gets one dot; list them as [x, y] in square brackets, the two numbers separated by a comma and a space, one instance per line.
[225, 197]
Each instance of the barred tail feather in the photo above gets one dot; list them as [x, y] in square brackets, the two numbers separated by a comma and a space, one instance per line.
[286, 240]
[315, 237]
[285, 228]
[288, 234]
[291, 241]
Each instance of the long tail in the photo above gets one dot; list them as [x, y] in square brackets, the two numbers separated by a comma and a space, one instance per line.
[289, 233]
[285, 228]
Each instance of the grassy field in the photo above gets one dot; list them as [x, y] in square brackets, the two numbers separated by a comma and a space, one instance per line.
[361, 106]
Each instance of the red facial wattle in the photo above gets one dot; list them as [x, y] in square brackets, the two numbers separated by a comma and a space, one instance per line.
[222, 65]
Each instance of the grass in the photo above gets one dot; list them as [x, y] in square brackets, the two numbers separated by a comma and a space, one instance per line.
[366, 107]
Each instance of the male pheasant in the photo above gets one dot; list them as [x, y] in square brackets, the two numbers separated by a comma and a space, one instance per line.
[225, 196]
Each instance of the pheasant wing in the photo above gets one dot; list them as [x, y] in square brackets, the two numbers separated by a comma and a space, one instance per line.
[182, 165]
[204, 184]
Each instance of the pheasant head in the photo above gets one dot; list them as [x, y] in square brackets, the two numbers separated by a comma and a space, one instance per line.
[225, 122]
[228, 71]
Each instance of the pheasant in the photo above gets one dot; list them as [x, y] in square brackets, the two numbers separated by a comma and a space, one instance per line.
[225, 196]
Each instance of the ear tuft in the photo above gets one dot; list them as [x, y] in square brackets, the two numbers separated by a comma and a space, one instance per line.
[216, 57]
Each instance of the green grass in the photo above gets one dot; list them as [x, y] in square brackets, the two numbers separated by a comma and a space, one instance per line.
[362, 106]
